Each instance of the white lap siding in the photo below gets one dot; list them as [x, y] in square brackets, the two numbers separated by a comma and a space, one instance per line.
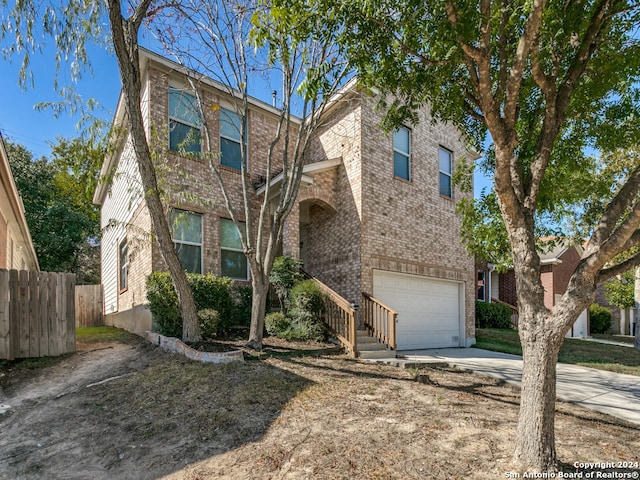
[125, 195]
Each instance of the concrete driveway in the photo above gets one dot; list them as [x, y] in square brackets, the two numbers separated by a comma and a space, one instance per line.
[612, 393]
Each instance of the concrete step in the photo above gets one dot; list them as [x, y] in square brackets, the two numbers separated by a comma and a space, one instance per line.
[371, 347]
[376, 354]
[366, 339]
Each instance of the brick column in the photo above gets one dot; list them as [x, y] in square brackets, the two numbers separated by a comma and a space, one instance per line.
[291, 234]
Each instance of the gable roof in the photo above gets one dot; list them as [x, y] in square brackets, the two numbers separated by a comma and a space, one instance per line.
[552, 248]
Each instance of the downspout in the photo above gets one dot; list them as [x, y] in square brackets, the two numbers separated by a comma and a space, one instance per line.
[492, 267]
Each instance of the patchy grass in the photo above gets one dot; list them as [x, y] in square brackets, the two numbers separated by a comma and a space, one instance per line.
[104, 334]
[614, 337]
[602, 356]
[131, 410]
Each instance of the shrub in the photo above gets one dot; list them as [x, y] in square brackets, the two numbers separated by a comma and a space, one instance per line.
[276, 323]
[307, 307]
[599, 318]
[163, 303]
[492, 315]
[209, 292]
[242, 310]
[285, 273]
[209, 323]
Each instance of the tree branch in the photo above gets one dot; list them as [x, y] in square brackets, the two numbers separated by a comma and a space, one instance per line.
[610, 272]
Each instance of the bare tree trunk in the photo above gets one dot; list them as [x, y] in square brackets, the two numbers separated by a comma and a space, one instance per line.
[636, 305]
[535, 437]
[260, 284]
[125, 42]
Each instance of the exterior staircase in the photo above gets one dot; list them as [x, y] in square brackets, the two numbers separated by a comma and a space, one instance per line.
[370, 348]
[369, 333]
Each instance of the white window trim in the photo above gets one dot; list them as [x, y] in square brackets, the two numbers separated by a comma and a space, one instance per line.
[246, 135]
[404, 154]
[448, 174]
[231, 249]
[122, 266]
[195, 244]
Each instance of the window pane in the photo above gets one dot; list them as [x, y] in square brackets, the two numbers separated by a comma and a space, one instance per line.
[401, 140]
[183, 107]
[186, 226]
[400, 165]
[233, 264]
[123, 265]
[229, 124]
[229, 235]
[230, 154]
[190, 257]
[183, 138]
[445, 185]
[445, 161]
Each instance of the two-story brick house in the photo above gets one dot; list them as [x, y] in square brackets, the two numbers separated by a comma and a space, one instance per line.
[375, 212]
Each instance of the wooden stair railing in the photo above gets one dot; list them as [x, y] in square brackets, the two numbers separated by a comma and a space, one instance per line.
[340, 317]
[379, 320]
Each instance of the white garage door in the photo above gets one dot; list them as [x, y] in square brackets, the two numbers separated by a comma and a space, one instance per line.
[428, 309]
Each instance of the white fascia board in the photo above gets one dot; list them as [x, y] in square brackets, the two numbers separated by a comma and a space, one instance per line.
[318, 167]
[277, 180]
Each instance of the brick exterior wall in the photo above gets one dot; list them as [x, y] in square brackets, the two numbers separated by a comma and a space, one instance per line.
[507, 288]
[408, 227]
[355, 218]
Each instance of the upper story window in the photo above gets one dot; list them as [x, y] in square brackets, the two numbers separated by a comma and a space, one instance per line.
[233, 262]
[230, 139]
[402, 153]
[184, 122]
[123, 276]
[186, 228]
[446, 185]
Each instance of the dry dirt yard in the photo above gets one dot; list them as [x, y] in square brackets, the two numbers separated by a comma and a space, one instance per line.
[282, 416]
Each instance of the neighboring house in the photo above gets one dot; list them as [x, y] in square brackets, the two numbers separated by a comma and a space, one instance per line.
[375, 211]
[16, 246]
[558, 262]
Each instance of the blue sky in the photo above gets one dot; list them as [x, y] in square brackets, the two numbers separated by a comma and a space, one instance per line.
[37, 130]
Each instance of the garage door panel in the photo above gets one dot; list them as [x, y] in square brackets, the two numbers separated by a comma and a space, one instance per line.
[428, 309]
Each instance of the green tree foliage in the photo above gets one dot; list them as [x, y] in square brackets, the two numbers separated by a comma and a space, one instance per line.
[285, 273]
[64, 224]
[545, 80]
[619, 291]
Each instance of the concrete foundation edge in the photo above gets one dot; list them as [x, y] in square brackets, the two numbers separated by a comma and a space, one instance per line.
[174, 345]
[135, 320]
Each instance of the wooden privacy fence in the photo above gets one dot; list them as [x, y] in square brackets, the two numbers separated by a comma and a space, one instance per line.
[89, 306]
[37, 314]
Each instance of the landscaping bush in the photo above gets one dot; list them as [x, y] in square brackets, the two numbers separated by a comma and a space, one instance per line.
[285, 273]
[209, 320]
[492, 315]
[209, 292]
[243, 297]
[599, 318]
[163, 303]
[276, 323]
[306, 311]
